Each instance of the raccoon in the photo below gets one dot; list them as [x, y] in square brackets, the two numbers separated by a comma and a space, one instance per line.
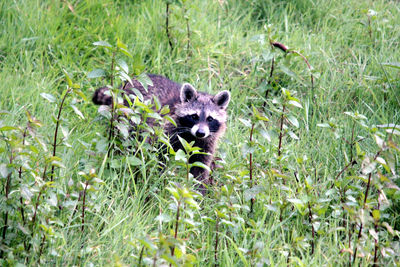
[199, 117]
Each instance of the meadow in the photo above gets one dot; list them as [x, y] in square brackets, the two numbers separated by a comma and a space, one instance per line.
[307, 173]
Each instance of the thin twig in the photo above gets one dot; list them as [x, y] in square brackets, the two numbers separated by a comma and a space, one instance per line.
[176, 228]
[83, 206]
[167, 26]
[269, 80]
[56, 131]
[251, 167]
[312, 228]
[363, 207]
[281, 131]
[216, 242]
[7, 191]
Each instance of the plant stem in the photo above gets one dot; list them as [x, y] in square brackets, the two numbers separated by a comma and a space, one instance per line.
[370, 28]
[38, 199]
[56, 131]
[352, 141]
[167, 26]
[176, 228]
[251, 167]
[312, 228]
[365, 202]
[309, 68]
[19, 178]
[7, 191]
[187, 171]
[376, 240]
[216, 242]
[281, 131]
[342, 171]
[83, 206]
[111, 131]
[187, 32]
[141, 257]
[269, 80]
[112, 69]
[350, 234]
[41, 246]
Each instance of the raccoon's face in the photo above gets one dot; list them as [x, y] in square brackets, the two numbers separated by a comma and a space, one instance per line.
[200, 113]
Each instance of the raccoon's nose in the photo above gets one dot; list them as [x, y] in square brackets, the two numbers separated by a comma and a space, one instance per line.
[200, 133]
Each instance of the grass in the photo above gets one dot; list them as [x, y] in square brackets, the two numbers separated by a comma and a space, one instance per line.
[229, 49]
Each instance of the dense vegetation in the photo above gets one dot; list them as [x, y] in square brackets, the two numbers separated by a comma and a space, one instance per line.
[307, 173]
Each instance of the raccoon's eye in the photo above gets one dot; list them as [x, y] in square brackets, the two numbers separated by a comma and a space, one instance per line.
[195, 117]
[209, 118]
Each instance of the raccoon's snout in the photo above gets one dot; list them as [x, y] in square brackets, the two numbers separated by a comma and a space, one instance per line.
[200, 131]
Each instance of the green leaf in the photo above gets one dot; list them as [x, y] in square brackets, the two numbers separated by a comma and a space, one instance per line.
[68, 78]
[156, 102]
[201, 165]
[299, 204]
[134, 161]
[188, 147]
[26, 192]
[52, 200]
[395, 65]
[388, 228]
[4, 171]
[246, 122]
[121, 44]
[138, 65]
[379, 141]
[125, 77]
[102, 44]
[180, 156]
[7, 128]
[293, 121]
[252, 192]
[125, 52]
[373, 233]
[163, 218]
[164, 110]
[48, 97]
[368, 166]
[174, 192]
[265, 134]
[376, 215]
[123, 129]
[77, 111]
[144, 80]
[323, 125]
[295, 104]
[170, 119]
[290, 73]
[116, 163]
[123, 65]
[80, 94]
[96, 73]
[293, 135]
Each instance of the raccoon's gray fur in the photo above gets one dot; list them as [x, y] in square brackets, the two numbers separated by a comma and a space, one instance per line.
[200, 117]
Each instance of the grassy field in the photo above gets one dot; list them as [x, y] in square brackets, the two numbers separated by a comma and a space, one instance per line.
[310, 161]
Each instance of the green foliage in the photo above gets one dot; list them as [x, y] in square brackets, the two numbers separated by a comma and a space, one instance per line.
[307, 173]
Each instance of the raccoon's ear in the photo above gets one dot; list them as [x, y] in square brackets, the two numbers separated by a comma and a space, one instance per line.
[222, 99]
[188, 93]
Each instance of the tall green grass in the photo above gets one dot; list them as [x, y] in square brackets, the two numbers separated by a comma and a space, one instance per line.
[354, 65]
